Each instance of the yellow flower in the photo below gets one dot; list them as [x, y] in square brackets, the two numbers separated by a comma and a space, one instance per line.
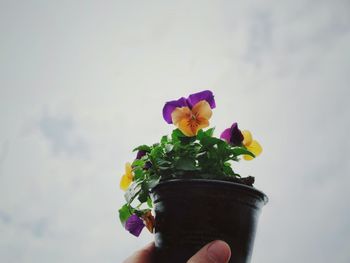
[127, 177]
[252, 145]
[190, 121]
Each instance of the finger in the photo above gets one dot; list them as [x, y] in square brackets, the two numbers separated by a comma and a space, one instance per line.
[142, 256]
[215, 252]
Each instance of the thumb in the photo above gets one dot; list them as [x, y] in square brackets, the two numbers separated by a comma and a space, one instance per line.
[215, 252]
[144, 255]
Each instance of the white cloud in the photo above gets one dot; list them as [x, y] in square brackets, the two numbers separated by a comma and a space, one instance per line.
[62, 135]
[105, 70]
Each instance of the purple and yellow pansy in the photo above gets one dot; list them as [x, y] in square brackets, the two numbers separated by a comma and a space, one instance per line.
[190, 114]
[236, 137]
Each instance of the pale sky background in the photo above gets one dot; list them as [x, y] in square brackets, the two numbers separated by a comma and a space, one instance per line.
[83, 82]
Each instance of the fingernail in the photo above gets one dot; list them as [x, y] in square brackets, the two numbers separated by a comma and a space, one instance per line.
[219, 252]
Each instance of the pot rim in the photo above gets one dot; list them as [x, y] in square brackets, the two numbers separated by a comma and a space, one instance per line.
[218, 182]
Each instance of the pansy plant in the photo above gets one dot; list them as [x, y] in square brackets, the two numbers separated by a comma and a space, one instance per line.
[189, 152]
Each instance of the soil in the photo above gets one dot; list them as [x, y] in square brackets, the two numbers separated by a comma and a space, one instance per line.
[243, 180]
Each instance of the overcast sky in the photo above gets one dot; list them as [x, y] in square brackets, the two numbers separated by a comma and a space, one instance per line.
[83, 82]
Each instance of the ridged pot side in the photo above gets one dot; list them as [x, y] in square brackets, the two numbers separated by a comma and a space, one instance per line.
[191, 213]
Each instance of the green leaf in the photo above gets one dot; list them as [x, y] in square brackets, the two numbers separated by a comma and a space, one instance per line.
[138, 162]
[132, 192]
[164, 139]
[210, 132]
[124, 213]
[143, 195]
[176, 135]
[149, 202]
[157, 152]
[138, 174]
[163, 163]
[186, 164]
[187, 140]
[142, 148]
[168, 148]
[228, 170]
[209, 141]
[240, 150]
[152, 183]
[201, 134]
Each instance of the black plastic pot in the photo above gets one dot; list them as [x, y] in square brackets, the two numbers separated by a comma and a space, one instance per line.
[193, 212]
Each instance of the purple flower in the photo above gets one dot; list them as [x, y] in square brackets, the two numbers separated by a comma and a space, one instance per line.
[140, 154]
[192, 100]
[147, 165]
[134, 225]
[206, 95]
[233, 135]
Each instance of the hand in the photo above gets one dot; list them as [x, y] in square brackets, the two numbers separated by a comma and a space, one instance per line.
[214, 252]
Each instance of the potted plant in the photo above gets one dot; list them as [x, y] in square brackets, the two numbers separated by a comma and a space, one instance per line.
[188, 180]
